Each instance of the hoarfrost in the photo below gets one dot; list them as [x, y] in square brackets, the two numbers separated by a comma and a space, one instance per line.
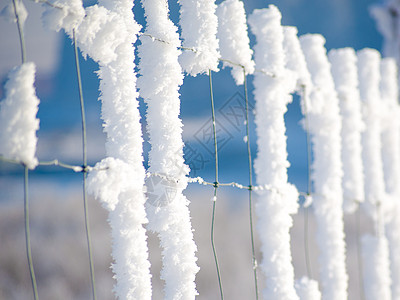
[369, 78]
[199, 32]
[325, 128]
[159, 86]
[376, 274]
[307, 289]
[233, 39]
[272, 94]
[344, 72]
[18, 120]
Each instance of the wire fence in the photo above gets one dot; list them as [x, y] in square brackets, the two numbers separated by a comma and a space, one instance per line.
[83, 168]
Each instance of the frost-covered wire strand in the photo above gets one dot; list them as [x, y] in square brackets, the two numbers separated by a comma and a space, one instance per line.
[254, 260]
[84, 170]
[215, 184]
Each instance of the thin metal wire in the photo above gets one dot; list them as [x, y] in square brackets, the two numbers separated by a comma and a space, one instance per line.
[359, 260]
[215, 186]
[309, 186]
[84, 171]
[196, 51]
[250, 184]
[28, 234]
[26, 174]
[20, 32]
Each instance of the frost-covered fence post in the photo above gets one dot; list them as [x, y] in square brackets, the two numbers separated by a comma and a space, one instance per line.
[199, 25]
[107, 33]
[273, 206]
[167, 207]
[345, 76]
[237, 54]
[374, 247]
[390, 122]
[325, 127]
[369, 78]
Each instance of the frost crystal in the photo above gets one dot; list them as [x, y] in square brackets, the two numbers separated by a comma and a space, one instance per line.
[18, 120]
[107, 34]
[199, 29]
[307, 289]
[169, 215]
[233, 39]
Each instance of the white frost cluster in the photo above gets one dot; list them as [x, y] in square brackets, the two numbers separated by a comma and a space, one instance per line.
[234, 42]
[272, 94]
[376, 273]
[67, 16]
[344, 72]
[18, 120]
[369, 78]
[390, 125]
[307, 289]
[169, 216]
[325, 129]
[99, 34]
[199, 25]
[113, 182]
[295, 60]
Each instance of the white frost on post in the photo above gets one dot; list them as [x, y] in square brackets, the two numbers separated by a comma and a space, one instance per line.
[369, 78]
[390, 121]
[113, 182]
[274, 208]
[390, 126]
[18, 120]
[234, 42]
[344, 72]
[199, 25]
[167, 207]
[376, 273]
[295, 60]
[108, 37]
[307, 289]
[325, 127]
[68, 17]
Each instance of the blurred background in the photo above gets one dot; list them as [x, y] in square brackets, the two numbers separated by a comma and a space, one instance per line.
[58, 241]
